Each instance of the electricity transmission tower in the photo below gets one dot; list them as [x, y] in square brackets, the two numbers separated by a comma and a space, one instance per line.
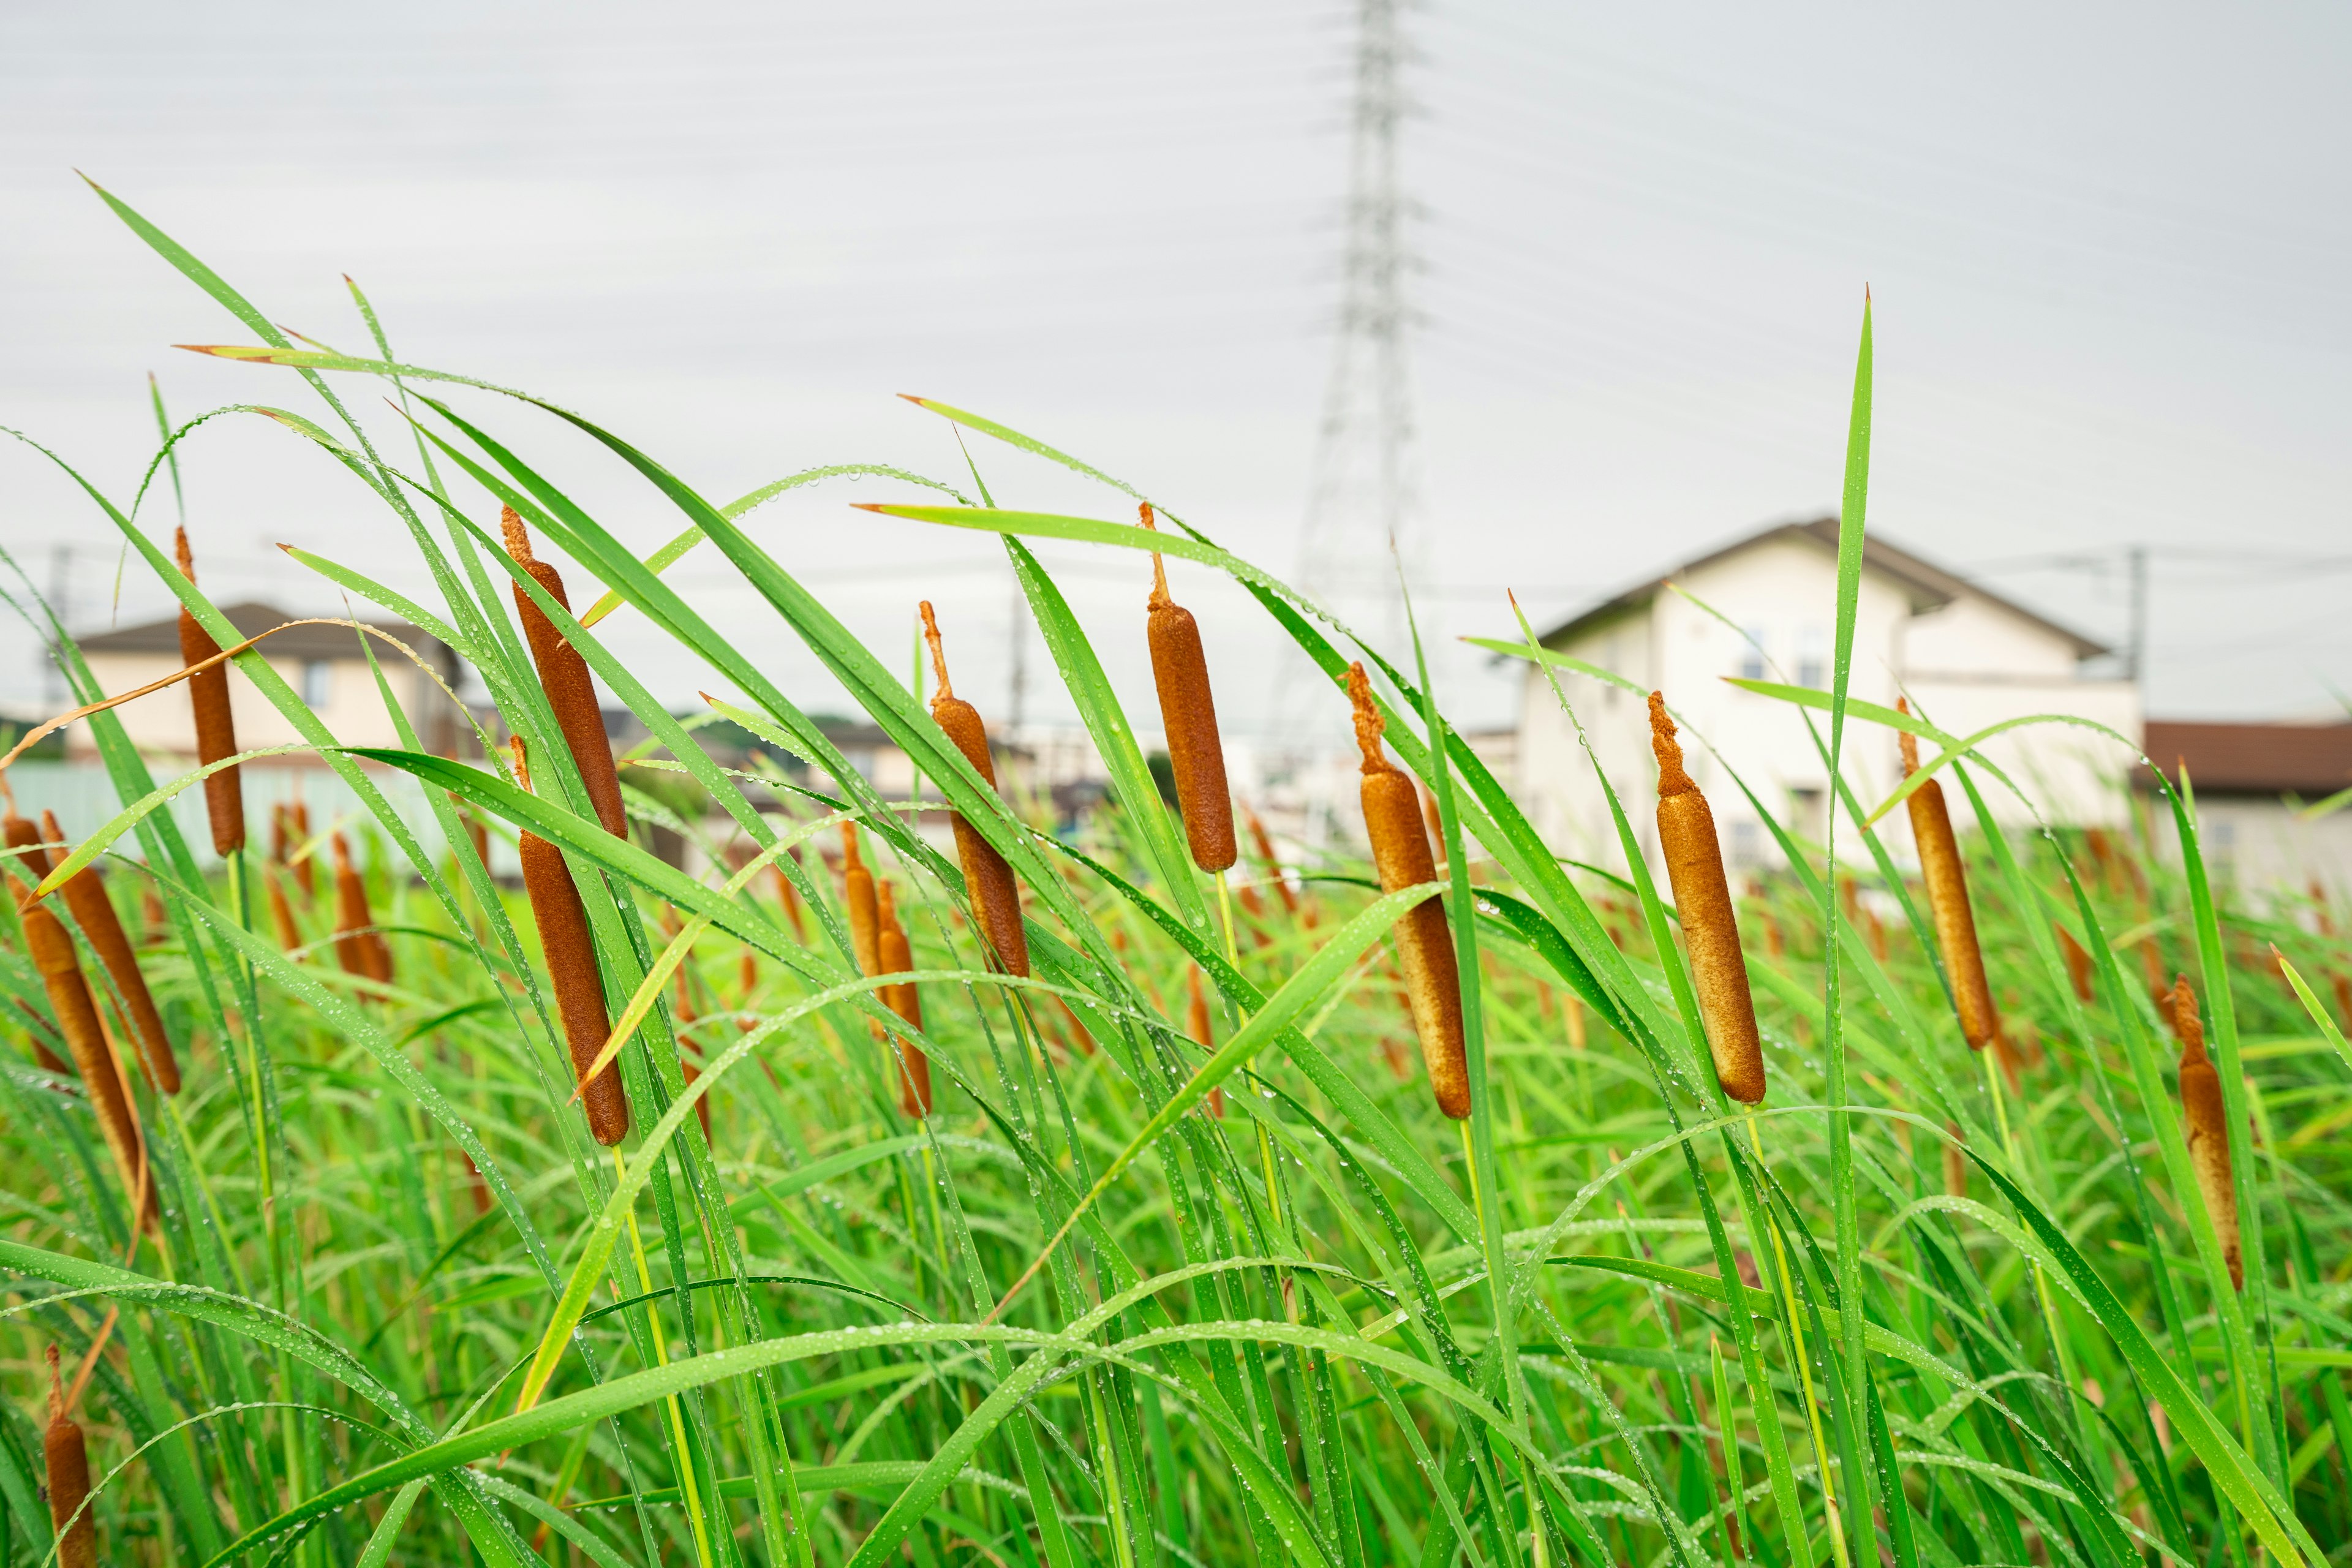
[1362, 496]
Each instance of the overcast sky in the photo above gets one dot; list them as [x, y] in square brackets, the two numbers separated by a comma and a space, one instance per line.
[2106, 245]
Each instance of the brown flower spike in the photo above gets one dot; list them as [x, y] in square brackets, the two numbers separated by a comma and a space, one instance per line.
[215, 729]
[53, 954]
[1948, 899]
[94, 912]
[563, 675]
[1196, 755]
[2208, 1129]
[68, 1461]
[1432, 978]
[859, 901]
[571, 951]
[905, 998]
[360, 948]
[995, 896]
[1693, 856]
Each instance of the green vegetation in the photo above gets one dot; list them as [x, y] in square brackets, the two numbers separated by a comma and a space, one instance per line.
[400, 1308]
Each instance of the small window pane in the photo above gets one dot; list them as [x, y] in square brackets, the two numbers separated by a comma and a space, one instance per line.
[318, 682]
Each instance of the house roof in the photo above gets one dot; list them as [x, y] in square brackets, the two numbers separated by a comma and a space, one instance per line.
[2252, 759]
[1930, 586]
[252, 618]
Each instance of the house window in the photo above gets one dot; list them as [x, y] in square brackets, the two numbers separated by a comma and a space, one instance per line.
[1812, 657]
[1751, 653]
[317, 682]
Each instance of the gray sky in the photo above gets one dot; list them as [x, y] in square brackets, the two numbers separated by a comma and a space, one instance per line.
[2106, 245]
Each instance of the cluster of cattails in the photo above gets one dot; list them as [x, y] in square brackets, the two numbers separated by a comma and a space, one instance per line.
[564, 676]
[1947, 900]
[360, 946]
[1693, 856]
[2201, 1106]
[571, 952]
[995, 896]
[67, 1462]
[1400, 854]
[215, 729]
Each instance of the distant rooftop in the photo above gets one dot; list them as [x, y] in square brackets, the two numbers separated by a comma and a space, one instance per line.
[251, 619]
[1929, 585]
[2252, 759]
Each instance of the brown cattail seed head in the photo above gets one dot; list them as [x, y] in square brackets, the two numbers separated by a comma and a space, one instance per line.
[2078, 965]
[571, 951]
[564, 676]
[281, 915]
[68, 1480]
[1433, 976]
[2201, 1107]
[1196, 755]
[94, 912]
[905, 998]
[988, 880]
[857, 899]
[21, 836]
[215, 728]
[1694, 858]
[52, 951]
[1947, 900]
[360, 948]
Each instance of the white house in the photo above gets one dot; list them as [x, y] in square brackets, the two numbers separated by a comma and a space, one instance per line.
[1966, 658]
[323, 664]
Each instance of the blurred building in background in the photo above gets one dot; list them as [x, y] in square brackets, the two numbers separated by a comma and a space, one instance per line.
[1762, 608]
[2270, 802]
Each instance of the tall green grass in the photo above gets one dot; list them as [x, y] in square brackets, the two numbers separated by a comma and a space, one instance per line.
[1072, 1320]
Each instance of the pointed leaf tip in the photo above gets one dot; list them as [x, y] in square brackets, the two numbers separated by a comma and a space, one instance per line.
[917, 400]
[868, 506]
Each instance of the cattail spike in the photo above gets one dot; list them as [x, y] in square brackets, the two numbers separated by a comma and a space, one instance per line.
[66, 1458]
[1948, 899]
[564, 677]
[1400, 854]
[1159, 567]
[53, 954]
[939, 654]
[94, 912]
[1711, 925]
[1370, 725]
[896, 956]
[2204, 1109]
[208, 703]
[180, 553]
[518, 537]
[1188, 713]
[570, 950]
[988, 880]
[1672, 778]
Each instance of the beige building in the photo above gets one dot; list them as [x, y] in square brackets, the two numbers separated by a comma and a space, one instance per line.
[323, 664]
[1966, 656]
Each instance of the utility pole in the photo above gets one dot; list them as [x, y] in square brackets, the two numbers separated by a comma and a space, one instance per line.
[1362, 496]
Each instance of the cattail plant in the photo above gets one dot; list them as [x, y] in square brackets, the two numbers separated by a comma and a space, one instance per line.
[360, 948]
[154, 919]
[1272, 864]
[1694, 858]
[1948, 899]
[571, 952]
[1197, 1024]
[860, 903]
[2078, 963]
[215, 728]
[94, 912]
[281, 913]
[1196, 755]
[903, 999]
[306, 869]
[564, 676]
[23, 838]
[1432, 978]
[68, 1460]
[53, 954]
[995, 896]
[2201, 1107]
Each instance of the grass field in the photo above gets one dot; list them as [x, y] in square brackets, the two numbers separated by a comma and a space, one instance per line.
[398, 1306]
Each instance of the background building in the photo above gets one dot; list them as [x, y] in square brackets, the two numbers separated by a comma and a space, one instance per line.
[1764, 607]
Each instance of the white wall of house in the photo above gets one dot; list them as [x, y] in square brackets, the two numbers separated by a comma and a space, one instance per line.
[1970, 664]
[341, 691]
